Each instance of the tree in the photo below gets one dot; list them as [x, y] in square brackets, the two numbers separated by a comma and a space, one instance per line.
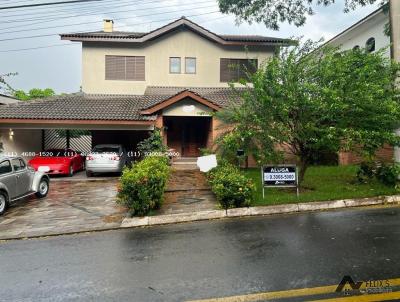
[153, 144]
[273, 12]
[310, 100]
[34, 93]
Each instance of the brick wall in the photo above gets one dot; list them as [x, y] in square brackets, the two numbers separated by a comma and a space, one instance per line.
[385, 154]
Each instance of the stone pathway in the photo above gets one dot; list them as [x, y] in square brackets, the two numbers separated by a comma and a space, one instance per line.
[69, 207]
[187, 192]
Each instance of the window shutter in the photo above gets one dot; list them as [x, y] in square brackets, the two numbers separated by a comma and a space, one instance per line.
[115, 68]
[225, 72]
[125, 68]
[236, 69]
[140, 69]
[135, 69]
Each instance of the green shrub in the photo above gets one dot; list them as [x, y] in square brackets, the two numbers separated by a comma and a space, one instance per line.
[153, 144]
[142, 186]
[231, 188]
[388, 174]
[366, 171]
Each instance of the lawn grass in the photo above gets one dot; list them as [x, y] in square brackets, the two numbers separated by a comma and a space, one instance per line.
[321, 183]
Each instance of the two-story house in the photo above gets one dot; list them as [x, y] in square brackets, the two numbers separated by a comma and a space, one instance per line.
[172, 78]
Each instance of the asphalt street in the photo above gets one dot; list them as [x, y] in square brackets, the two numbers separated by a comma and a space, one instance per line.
[205, 260]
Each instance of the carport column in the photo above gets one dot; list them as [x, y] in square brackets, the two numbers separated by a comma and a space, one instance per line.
[68, 138]
[43, 139]
[217, 129]
[160, 125]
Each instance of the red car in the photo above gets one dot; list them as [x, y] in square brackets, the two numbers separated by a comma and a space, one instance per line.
[58, 162]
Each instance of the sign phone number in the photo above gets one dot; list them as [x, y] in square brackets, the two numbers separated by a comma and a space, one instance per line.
[280, 176]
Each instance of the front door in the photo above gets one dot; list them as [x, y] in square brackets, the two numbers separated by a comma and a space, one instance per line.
[191, 140]
[187, 135]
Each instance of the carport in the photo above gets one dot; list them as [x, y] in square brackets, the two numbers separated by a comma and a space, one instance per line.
[20, 140]
[78, 122]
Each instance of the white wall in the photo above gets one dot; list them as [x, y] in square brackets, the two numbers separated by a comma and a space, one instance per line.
[373, 27]
[23, 140]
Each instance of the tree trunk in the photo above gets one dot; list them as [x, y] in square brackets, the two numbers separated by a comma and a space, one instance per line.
[302, 172]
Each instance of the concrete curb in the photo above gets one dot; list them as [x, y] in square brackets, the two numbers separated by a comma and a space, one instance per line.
[257, 211]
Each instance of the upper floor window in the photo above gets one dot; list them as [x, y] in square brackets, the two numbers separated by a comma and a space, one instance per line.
[190, 65]
[174, 65]
[125, 68]
[236, 69]
[370, 45]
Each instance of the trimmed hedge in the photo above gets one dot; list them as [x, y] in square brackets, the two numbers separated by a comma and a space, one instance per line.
[231, 188]
[142, 186]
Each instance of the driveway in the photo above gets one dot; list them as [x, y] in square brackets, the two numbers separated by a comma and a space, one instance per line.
[70, 207]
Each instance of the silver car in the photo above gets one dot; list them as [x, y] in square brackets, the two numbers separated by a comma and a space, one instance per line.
[18, 180]
[106, 159]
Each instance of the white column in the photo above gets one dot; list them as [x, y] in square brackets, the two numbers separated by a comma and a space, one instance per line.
[395, 49]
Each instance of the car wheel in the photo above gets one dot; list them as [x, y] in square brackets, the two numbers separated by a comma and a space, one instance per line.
[43, 188]
[89, 174]
[3, 202]
[71, 171]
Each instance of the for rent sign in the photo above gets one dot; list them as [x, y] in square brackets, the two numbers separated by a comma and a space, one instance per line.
[283, 176]
[280, 176]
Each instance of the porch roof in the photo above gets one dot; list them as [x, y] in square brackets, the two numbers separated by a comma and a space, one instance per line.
[108, 109]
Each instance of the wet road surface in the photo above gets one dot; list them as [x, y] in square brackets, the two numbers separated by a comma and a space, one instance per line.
[206, 259]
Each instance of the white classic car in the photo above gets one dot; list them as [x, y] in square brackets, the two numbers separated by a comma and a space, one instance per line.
[18, 180]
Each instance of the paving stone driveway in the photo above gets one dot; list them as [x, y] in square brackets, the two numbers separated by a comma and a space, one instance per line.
[187, 192]
[69, 207]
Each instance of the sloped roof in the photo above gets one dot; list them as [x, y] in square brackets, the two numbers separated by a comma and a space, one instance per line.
[109, 107]
[135, 37]
[220, 96]
[372, 15]
[81, 107]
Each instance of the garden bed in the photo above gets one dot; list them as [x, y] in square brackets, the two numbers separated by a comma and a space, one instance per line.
[321, 183]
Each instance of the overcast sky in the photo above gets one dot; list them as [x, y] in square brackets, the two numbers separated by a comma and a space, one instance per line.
[59, 67]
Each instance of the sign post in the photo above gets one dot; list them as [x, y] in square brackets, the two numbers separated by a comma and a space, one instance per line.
[280, 176]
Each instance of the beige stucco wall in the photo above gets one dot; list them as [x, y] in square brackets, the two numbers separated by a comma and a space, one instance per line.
[183, 43]
[23, 141]
[187, 108]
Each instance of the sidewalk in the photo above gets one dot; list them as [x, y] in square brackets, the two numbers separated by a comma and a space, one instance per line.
[258, 211]
[75, 207]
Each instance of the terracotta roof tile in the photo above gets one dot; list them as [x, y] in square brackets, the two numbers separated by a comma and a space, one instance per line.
[81, 107]
[221, 96]
[108, 107]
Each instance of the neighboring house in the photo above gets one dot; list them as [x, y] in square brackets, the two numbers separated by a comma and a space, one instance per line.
[368, 34]
[173, 78]
[6, 99]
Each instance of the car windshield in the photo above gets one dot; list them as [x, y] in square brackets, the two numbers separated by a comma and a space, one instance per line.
[57, 153]
[106, 149]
